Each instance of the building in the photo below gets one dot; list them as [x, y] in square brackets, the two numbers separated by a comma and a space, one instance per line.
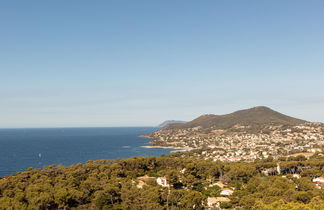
[141, 184]
[296, 176]
[226, 192]
[214, 202]
[162, 181]
[319, 180]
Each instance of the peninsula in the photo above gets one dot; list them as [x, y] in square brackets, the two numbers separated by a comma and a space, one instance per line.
[248, 134]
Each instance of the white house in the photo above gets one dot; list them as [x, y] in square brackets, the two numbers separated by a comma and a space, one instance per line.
[296, 176]
[319, 180]
[226, 192]
[162, 181]
[183, 171]
[140, 184]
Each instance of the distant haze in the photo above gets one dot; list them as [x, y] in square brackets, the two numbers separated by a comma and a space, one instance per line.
[138, 63]
[168, 122]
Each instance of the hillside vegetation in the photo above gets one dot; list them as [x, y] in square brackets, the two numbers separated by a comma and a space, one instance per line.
[116, 184]
[257, 116]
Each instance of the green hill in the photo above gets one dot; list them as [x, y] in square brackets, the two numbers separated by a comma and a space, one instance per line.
[257, 116]
[132, 184]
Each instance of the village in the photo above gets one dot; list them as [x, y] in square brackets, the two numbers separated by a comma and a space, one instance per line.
[241, 142]
[222, 191]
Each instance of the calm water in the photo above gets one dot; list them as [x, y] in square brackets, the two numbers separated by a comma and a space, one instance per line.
[23, 148]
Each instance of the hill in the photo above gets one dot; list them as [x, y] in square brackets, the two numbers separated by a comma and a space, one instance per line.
[242, 135]
[169, 122]
[257, 116]
[188, 183]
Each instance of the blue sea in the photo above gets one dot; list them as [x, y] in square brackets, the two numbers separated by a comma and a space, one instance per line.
[23, 148]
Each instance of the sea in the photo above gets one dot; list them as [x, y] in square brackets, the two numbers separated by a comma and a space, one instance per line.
[38, 147]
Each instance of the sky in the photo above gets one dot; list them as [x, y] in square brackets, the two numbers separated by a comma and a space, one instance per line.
[81, 63]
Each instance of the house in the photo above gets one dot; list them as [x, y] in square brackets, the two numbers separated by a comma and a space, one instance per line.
[141, 181]
[215, 201]
[211, 201]
[146, 178]
[278, 169]
[183, 171]
[141, 184]
[296, 176]
[219, 184]
[226, 192]
[319, 180]
[162, 181]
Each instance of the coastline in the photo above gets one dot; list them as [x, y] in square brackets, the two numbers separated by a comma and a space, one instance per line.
[112, 143]
[147, 136]
[174, 148]
[168, 147]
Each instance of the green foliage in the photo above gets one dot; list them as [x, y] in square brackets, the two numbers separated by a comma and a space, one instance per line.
[226, 205]
[255, 117]
[213, 191]
[112, 184]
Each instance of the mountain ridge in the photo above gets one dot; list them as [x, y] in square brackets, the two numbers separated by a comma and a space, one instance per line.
[256, 116]
[169, 122]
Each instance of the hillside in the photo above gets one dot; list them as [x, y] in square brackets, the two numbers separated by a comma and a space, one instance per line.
[188, 183]
[246, 135]
[249, 117]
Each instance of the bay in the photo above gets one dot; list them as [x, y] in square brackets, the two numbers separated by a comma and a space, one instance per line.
[38, 147]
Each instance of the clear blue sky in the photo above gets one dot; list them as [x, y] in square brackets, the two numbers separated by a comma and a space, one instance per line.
[137, 63]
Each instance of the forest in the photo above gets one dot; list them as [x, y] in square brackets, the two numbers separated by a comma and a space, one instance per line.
[190, 184]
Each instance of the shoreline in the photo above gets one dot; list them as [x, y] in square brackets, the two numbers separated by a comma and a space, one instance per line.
[168, 147]
[176, 149]
[146, 136]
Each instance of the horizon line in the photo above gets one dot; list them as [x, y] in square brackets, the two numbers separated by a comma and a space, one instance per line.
[54, 127]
